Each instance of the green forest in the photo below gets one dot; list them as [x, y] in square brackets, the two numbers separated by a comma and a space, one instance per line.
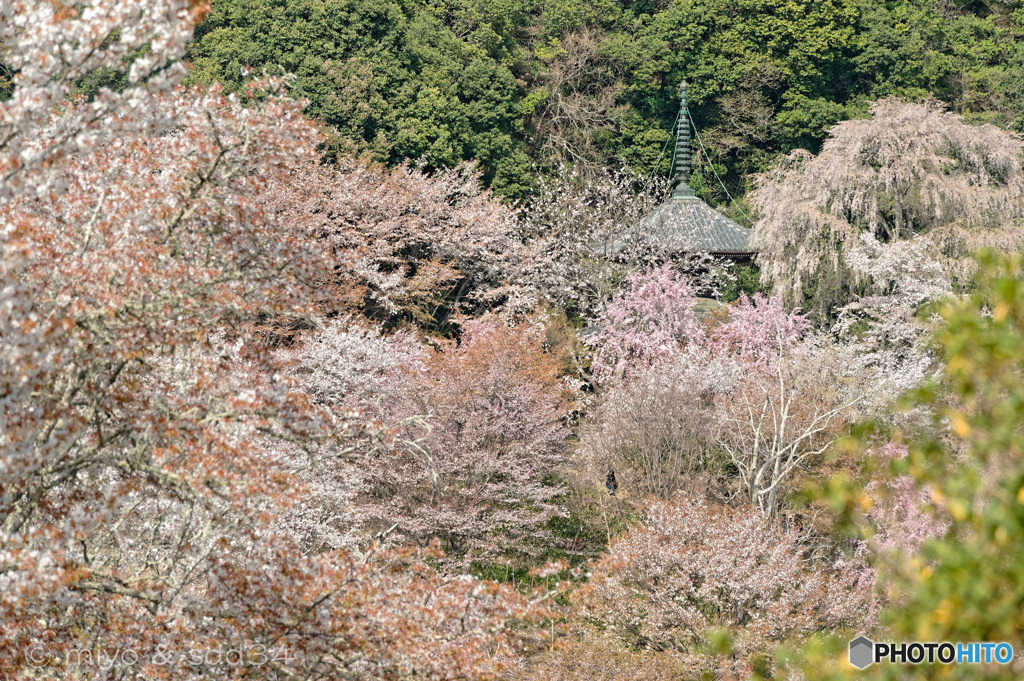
[518, 85]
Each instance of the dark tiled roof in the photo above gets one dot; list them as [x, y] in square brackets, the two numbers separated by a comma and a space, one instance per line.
[687, 225]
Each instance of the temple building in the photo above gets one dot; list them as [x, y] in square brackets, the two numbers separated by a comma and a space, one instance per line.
[684, 224]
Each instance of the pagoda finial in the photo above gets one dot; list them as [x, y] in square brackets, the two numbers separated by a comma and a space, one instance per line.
[681, 158]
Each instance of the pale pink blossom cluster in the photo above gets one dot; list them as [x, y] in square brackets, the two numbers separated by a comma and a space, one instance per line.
[349, 364]
[690, 568]
[648, 322]
[151, 439]
[49, 46]
[761, 329]
[901, 518]
[656, 431]
[469, 435]
[904, 514]
[911, 171]
[883, 326]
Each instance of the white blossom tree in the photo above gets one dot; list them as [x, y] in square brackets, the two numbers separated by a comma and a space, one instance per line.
[786, 399]
[573, 225]
[911, 169]
[690, 568]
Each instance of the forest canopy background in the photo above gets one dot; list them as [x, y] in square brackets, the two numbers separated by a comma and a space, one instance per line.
[520, 82]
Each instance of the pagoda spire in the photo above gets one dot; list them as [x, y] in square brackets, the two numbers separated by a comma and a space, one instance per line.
[681, 157]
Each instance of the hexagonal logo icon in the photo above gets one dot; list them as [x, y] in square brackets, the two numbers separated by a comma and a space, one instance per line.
[862, 652]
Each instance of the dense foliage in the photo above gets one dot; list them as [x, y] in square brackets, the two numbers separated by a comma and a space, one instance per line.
[390, 78]
[514, 81]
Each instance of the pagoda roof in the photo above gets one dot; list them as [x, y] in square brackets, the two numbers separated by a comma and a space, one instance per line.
[685, 224]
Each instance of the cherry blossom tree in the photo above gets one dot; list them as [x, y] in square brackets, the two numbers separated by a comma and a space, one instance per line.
[144, 428]
[690, 568]
[648, 322]
[758, 387]
[468, 436]
[902, 510]
[50, 45]
[573, 226]
[475, 475]
[423, 247]
[900, 516]
[347, 363]
[574, 218]
[883, 326]
[759, 329]
[351, 370]
[657, 430]
[912, 169]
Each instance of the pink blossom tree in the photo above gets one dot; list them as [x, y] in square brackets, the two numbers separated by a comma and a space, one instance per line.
[900, 516]
[353, 371]
[142, 480]
[902, 512]
[657, 429]
[470, 434]
[763, 390]
[759, 330]
[650, 321]
[474, 476]
[785, 399]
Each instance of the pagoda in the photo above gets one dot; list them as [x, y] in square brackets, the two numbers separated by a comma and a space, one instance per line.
[683, 223]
